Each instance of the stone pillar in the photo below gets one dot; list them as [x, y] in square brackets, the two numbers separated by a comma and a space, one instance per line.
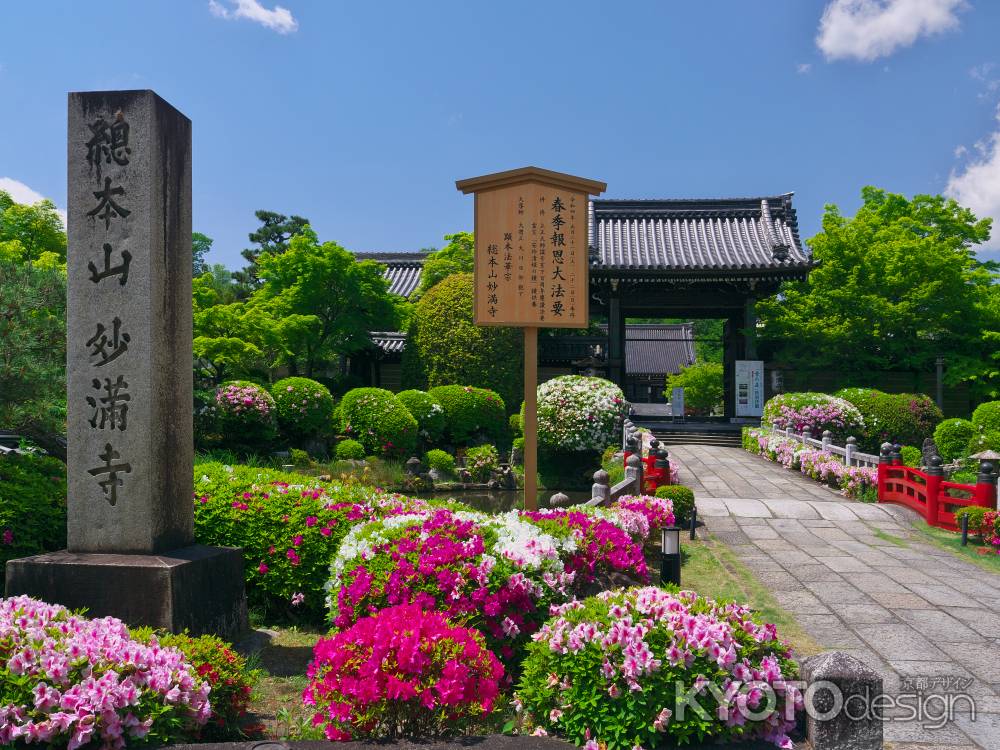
[129, 380]
[840, 689]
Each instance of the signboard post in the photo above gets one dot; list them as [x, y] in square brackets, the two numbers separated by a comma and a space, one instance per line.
[531, 268]
[749, 388]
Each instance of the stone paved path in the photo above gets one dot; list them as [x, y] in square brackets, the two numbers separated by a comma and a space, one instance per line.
[908, 609]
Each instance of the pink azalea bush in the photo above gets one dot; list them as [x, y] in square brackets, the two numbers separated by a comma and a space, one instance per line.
[288, 527]
[405, 671]
[244, 414]
[646, 667]
[495, 573]
[658, 511]
[856, 482]
[815, 412]
[67, 681]
[600, 547]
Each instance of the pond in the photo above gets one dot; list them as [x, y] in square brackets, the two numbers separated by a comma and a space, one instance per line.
[499, 501]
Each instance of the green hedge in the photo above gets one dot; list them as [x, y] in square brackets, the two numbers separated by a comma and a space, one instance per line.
[471, 414]
[952, 437]
[682, 498]
[444, 346]
[427, 411]
[304, 407]
[32, 505]
[987, 416]
[440, 460]
[379, 421]
[350, 450]
[905, 418]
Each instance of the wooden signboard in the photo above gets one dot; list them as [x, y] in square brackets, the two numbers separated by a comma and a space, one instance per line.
[531, 267]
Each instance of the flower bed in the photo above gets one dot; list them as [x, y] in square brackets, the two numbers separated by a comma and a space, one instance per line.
[496, 573]
[403, 672]
[288, 526]
[577, 413]
[67, 680]
[816, 412]
[857, 482]
[646, 667]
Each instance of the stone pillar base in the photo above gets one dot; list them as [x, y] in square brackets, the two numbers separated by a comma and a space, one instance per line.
[197, 588]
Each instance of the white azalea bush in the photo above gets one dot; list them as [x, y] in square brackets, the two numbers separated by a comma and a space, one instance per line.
[578, 413]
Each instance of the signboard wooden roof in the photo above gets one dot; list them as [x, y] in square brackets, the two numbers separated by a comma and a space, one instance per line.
[532, 260]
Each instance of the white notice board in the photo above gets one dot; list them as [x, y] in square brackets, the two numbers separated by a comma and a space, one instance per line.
[749, 388]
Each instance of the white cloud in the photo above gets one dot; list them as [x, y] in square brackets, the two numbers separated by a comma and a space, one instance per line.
[984, 74]
[803, 68]
[280, 19]
[869, 29]
[21, 193]
[977, 184]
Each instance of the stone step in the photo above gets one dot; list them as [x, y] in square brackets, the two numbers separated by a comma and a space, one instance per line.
[721, 439]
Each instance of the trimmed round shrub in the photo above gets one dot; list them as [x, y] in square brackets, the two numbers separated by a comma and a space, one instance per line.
[428, 413]
[578, 413]
[304, 407]
[516, 424]
[471, 414]
[911, 456]
[403, 672]
[682, 497]
[108, 688]
[350, 450]
[376, 419]
[444, 346]
[952, 437]
[986, 440]
[482, 461]
[816, 412]
[987, 416]
[905, 418]
[615, 670]
[440, 460]
[32, 505]
[226, 672]
[244, 413]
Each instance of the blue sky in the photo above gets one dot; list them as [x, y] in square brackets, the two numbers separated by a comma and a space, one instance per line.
[361, 115]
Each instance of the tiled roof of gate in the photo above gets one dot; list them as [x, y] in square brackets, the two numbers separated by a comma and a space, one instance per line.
[726, 234]
[402, 270]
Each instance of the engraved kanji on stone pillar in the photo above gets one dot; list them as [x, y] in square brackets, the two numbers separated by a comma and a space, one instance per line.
[129, 375]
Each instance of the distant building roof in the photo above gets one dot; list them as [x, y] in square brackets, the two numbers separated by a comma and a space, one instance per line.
[658, 349]
[402, 270]
[390, 342]
[697, 235]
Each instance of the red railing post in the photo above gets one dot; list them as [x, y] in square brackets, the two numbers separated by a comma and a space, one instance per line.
[884, 462]
[934, 477]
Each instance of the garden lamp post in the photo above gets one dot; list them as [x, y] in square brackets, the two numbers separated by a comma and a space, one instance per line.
[670, 551]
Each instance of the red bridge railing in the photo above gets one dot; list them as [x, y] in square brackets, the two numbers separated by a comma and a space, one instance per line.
[927, 492]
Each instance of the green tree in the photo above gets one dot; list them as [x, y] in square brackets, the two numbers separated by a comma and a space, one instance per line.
[33, 352]
[200, 245]
[455, 257]
[444, 346]
[702, 384]
[27, 232]
[273, 236]
[896, 286]
[338, 298]
[214, 286]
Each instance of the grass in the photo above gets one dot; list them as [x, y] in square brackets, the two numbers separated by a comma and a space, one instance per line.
[885, 537]
[711, 569]
[277, 699]
[952, 542]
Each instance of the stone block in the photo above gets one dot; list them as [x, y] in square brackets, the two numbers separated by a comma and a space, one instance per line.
[198, 588]
[836, 673]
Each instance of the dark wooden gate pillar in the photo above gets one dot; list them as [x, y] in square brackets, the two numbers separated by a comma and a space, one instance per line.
[734, 346]
[616, 337]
